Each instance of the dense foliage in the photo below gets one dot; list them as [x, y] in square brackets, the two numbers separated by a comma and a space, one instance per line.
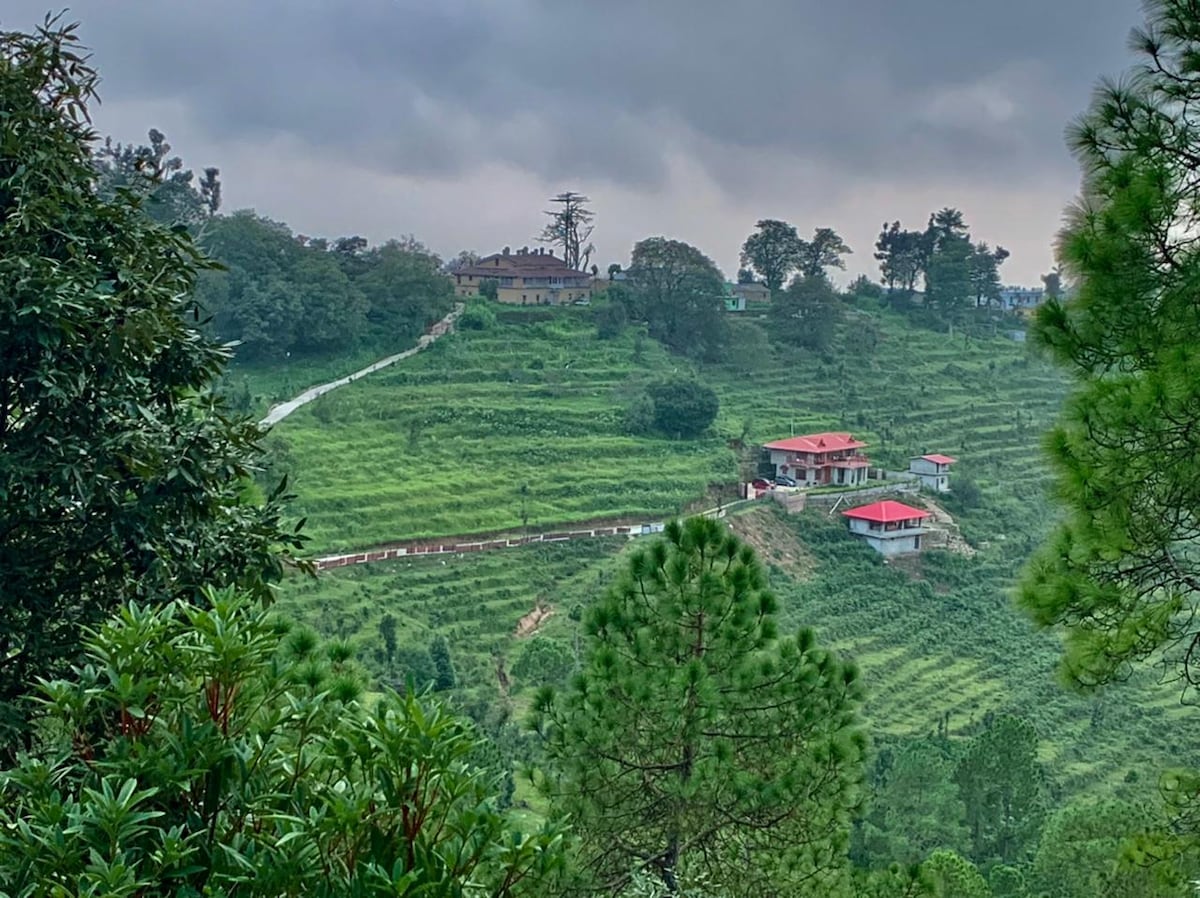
[279, 293]
[678, 291]
[194, 753]
[676, 407]
[697, 741]
[122, 475]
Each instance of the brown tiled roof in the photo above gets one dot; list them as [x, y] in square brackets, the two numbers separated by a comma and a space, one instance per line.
[541, 267]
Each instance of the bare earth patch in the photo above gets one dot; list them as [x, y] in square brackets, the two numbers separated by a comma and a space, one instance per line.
[764, 531]
[528, 625]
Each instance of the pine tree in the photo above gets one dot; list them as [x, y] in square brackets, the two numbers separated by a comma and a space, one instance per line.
[439, 651]
[697, 743]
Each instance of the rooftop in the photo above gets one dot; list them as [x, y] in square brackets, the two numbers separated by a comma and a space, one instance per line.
[818, 442]
[886, 512]
[940, 459]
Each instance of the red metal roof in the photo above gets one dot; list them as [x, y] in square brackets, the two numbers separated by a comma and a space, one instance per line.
[940, 459]
[886, 512]
[818, 442]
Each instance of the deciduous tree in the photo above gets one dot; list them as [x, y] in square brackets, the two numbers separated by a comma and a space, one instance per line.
[773, 251]
[683, 406]
[806, 314]
[698, 744]
[823, 252]
[679, 291]
[122, 474]
[902, 256]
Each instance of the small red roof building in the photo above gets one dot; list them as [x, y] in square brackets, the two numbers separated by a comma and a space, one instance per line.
[886, 512]
[818, 442]
[940, 459]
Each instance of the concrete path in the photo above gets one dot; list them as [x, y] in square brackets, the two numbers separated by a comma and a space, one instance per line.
[460, 545]
[281, 411]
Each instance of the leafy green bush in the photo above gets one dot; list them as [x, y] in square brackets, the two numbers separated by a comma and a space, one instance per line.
[679, 407]
[477, 318]
[188, 756]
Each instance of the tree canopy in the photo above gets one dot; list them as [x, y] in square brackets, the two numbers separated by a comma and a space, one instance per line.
[195, 751]
[679, 291]
[773, 251]
[697, 742]
[122, 473]
[1121, 573]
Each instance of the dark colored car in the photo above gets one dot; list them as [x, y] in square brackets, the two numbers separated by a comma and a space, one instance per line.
[784, 480]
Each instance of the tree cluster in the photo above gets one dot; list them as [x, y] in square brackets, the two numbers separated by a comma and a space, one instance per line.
[280, 293]
[123, 474]
[958, 274]
[775, 252]
[276, 293]
[679, 292]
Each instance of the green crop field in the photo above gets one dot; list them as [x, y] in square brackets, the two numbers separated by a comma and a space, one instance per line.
[443, 443]
[527, 417]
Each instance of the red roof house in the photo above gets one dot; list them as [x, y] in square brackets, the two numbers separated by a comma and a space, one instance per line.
[820, 459]
[889, 527]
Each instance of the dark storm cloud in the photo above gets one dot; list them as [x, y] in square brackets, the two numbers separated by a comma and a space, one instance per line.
[608, 90]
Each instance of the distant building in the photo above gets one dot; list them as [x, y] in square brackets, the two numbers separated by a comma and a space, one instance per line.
[932, 470]
[526, 277]
[734, 301]
[820, 459]
[890, 528]
[752, 293]
[1021, 299]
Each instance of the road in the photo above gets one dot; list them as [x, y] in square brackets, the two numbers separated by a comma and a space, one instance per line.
[281, 411]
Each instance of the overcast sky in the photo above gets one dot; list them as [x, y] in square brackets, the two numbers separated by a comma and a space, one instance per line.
[454, 120]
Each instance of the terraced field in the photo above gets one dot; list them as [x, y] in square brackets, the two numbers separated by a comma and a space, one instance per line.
[521, 424]
[475, 601]
[940, 641]
[444, 444]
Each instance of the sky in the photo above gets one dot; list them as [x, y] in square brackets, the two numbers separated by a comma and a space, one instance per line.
[455, 120]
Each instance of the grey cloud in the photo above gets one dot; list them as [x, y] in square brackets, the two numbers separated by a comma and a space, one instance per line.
[570, 89]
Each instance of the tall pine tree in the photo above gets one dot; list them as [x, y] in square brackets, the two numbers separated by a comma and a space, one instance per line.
[697, 743]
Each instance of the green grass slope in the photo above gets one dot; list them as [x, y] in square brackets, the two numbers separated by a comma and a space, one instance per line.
[444, 442]
[527, 417]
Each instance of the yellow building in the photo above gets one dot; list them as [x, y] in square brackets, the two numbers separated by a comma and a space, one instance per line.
[526, 277]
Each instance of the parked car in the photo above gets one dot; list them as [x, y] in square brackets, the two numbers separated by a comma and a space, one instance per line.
[761, 484]
[784, 480]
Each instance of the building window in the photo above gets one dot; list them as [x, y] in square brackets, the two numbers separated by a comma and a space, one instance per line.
[523, 298]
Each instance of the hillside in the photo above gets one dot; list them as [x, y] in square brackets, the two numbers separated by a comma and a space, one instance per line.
[443, 444]
[527, 416]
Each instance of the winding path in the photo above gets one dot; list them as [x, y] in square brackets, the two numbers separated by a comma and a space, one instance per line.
[281, 411]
